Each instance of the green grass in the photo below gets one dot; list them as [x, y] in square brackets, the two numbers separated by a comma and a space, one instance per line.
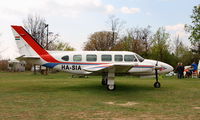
[58, 97]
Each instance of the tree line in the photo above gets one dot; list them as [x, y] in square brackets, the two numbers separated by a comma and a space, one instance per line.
[153, 45]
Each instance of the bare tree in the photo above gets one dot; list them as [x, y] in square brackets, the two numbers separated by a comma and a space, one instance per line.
[36, 25]
[147, 38]
[38, 28]
[64, 46]
[105, 40]
[136, 40]
[177, 45]
[143, 35]
[100, 41]
[116, 25]
[53, 39]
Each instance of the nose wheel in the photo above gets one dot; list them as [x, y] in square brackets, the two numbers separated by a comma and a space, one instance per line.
[157, 84]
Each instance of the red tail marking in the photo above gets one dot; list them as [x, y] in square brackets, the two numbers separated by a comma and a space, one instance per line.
[38, 49]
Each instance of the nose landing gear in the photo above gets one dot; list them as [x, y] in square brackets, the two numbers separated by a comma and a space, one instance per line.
[157, 83]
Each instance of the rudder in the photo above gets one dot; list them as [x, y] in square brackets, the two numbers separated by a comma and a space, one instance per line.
[25, 42]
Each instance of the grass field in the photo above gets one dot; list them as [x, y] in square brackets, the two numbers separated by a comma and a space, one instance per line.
[58, 97]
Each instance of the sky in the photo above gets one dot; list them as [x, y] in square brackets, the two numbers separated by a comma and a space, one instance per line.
[76, 20]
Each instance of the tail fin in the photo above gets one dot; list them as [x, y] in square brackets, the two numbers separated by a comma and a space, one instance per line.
[25, 42]
[28, 46]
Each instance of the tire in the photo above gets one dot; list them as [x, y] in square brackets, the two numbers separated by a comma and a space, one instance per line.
[157, 85]
[111, 87]
[104, 82]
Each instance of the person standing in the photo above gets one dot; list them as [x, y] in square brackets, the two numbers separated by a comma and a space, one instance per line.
[182, 68]
[177, 70]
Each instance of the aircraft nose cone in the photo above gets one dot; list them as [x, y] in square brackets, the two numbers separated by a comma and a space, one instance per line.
[169, 68]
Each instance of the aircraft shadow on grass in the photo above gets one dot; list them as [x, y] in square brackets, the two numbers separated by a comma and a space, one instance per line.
[93, 88]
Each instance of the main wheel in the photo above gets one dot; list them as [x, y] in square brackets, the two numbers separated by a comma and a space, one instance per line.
[111, 87]
[157, 85]
[104, 82]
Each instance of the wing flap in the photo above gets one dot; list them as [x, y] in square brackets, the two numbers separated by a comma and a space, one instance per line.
[98, 67]
[105, 67]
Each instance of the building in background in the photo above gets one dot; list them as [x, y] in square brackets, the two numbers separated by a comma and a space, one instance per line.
[16, 66]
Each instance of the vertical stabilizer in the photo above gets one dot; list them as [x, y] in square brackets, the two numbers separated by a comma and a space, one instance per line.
[28, 46]
[24, 48]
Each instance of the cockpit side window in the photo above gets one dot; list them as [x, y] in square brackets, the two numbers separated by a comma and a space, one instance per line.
[130, 58]
[141, 59]
[65, 58]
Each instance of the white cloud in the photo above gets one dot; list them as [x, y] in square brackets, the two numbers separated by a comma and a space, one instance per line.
[177, 27]
[109, 9]
[66, 8]
[127, 10]
[178, 30]
[48, 7]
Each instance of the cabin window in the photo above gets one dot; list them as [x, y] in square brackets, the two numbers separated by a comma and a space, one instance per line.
[118, 58]
[65, 58]
[106, 57]
[129, 58]
[77, 57]
[91, 57]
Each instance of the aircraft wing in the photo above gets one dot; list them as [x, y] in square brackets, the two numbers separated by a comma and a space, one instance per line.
[98, 67]
[106, 67]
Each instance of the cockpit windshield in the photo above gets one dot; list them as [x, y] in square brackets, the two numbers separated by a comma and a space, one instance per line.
[141, 59]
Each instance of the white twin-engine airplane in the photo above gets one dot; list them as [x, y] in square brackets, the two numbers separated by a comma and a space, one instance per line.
[106, 63]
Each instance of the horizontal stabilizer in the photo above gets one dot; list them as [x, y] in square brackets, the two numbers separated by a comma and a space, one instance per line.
[23, 57]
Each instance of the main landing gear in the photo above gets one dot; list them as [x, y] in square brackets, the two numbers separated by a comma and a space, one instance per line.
[104, 79]
[108, 79]
[110, 87]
